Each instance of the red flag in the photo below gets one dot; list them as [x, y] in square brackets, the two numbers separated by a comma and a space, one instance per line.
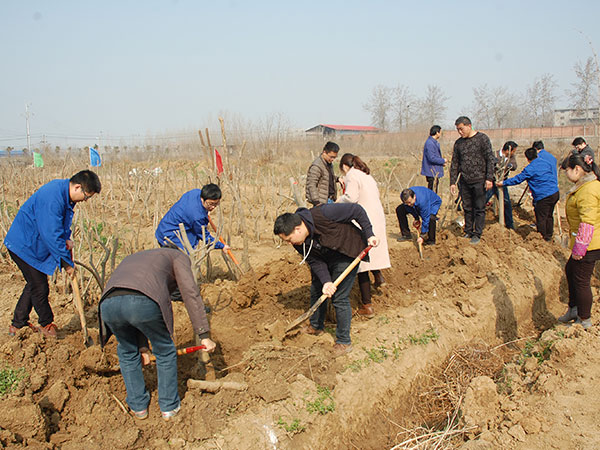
[219, 162]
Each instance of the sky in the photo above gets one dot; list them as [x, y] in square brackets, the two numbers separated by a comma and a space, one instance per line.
[116, 69]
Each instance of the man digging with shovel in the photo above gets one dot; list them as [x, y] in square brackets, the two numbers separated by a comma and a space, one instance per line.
[136, 307]
[329, 242]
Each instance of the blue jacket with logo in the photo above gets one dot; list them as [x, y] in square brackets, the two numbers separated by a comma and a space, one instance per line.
[427, 203]
[192, 214]
[41, 228]
[541, 174]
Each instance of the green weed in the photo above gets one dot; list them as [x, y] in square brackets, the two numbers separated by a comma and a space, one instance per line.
[324, 402]
[425, 338]
[293, 427]
[10, 378]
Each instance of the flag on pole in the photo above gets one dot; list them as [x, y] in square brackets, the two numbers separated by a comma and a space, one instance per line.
[219, 162]
[95, 160]
[38, 161]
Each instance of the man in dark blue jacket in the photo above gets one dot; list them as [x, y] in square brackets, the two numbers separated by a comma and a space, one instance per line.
[192, 211]
[433, 164]
[39, 241]
[423, 204]
[329, 242]
[541, 174]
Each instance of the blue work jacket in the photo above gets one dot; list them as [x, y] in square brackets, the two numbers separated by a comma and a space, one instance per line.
[192, 214]
[427, 203]
[39, 233]
[541, 174]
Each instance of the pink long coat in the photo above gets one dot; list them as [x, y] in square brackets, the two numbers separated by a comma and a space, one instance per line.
[362, 189]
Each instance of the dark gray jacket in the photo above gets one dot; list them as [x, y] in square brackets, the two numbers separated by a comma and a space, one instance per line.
[156, 273]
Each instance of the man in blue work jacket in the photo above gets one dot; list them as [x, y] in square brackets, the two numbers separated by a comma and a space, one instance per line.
[542, 177]
[423, 204]
[192, 211]
[39, 241]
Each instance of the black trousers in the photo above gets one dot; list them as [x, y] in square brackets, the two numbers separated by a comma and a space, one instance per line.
[473, 198]
[579, 274]
[544, 215]
[432, 183]
[34, 296]
[402, 213]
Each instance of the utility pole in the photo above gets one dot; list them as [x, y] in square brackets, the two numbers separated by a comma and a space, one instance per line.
[27, 127]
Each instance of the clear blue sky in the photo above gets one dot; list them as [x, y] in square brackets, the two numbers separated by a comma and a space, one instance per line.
[138, 67]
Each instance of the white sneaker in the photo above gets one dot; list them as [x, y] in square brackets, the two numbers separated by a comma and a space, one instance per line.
[169, 414]
[585, 323]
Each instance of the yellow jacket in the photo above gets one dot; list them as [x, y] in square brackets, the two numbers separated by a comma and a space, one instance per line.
[583, 205]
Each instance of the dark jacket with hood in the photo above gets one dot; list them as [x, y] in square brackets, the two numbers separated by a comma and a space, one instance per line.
[333, 235]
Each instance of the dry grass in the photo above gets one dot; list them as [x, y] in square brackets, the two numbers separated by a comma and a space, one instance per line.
[435, 400]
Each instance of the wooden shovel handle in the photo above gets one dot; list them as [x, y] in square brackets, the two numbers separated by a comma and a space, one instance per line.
[337, 281]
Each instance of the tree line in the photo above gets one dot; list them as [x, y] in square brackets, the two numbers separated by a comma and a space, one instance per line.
[398, 108]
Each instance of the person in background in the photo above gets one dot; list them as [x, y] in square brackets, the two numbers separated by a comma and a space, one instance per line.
[508, 162]
[192, 211]
[581, 147]
[423, 204]
[583, 215]
[320, 179]
[432, 166]
[329, 242]
[541, 175]
[361, 188]
[136, 307]
[39, 242]
[473, 159]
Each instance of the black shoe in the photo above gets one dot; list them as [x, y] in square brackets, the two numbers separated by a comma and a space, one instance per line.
[429, 242]
[404, 238]
[467, 235]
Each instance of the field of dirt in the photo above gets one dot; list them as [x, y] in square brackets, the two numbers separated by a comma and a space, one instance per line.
[463, 351]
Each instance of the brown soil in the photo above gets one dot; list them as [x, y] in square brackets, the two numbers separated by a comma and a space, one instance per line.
[445, 327]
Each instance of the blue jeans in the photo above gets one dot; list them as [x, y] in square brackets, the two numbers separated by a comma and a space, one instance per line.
[508, 215]
[340, 300]
[129, 316]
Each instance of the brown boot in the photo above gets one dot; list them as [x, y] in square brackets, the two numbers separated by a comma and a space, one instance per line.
[309, 329]
[341, 349]
[49, 330]
[366, 311]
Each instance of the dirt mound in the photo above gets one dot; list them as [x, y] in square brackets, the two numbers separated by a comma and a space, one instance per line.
[496, 291]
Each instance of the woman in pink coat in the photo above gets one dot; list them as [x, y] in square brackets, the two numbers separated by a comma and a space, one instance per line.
[362, 188]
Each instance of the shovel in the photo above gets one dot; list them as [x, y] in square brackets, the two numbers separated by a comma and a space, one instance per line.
[323, 297]
[419, 244]
[184, 351]
[87, 340]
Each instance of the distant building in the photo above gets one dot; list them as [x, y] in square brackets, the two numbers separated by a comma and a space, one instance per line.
[340, 130]
[571, 117]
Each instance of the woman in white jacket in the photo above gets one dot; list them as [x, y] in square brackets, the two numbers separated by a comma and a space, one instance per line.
[361, 188]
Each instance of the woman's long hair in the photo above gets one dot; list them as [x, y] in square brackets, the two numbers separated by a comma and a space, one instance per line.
[351, 160]
[585, 162]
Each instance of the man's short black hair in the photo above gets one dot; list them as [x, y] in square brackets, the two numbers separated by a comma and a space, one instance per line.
[578, 141]
[434, 130]
[331, 147]
[210, 192]
[406, 194]
[530, 154]
[88, 180]
[538, 145]
[462, 119]
[285, 223]
[509, 145]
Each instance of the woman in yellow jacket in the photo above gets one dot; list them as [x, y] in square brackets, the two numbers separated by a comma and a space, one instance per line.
[583, 215]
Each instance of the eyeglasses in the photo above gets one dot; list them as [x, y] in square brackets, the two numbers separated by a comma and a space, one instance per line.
[86, 196]
[211, 203]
